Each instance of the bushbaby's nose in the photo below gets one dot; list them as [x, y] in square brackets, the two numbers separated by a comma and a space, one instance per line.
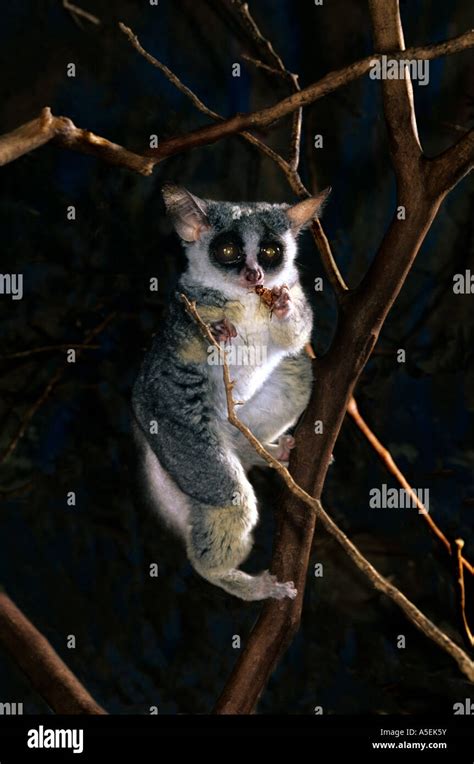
[254, 276]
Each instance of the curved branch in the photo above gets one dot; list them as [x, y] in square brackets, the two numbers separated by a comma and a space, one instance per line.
[447, 169]
[387, 460]
[64, 132]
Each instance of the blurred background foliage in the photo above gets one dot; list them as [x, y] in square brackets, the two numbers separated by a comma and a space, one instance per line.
[84, 570]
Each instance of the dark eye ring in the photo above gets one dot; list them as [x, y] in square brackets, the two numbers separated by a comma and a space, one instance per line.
[228, 253]
[270, 251]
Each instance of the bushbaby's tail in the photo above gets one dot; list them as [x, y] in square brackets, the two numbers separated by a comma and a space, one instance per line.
[163, 494]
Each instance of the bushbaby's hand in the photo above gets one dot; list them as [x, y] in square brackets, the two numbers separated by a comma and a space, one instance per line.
[223, 330]
[282, 304]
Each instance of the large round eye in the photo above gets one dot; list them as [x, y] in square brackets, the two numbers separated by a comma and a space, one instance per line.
[228, 253]
[270, 253]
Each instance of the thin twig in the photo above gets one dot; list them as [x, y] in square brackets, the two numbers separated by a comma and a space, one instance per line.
[171, 76]
[266, 46]
[460, 565]
[427, 627]
[76, 11]
[18, 490]
[290, 168]
[261, 65]
[387, 459]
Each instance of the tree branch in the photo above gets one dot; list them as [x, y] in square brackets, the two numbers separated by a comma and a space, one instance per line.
[387, 460]
[46, 671]
[63, 132]
[74, 10]
[447, 169]
[269, 51]
[398, 102]
[460, 566]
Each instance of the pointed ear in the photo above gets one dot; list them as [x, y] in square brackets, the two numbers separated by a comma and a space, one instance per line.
[187, 212]
[303, 213]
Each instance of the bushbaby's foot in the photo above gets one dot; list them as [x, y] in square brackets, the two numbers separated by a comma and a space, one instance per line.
[223, 331]
[285, 444]
[267, 586]
[282, 301]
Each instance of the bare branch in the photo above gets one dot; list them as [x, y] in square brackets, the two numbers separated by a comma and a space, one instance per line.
[295, 143]
[462, 591]
[397, 94]
[76, 11]
[330, 266]
[387, 459]
[64, 132]
[265, 45]
[46, 671]
[171, 76]
[261, 65]
[447, 169]
[389, 463]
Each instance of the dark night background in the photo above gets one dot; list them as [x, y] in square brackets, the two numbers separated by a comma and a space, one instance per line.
[84, 570]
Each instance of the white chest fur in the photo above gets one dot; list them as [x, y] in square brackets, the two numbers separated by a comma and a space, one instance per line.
[254, 353]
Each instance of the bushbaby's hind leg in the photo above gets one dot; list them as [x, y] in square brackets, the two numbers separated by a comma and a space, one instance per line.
[220, 540]
[222, 506]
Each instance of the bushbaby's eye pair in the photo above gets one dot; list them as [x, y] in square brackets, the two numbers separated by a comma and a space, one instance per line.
[228, 252]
